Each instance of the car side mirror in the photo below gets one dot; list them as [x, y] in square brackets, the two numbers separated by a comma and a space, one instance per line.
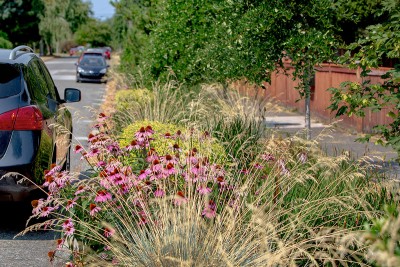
[108, 66]
[76, 63]
[72, 95]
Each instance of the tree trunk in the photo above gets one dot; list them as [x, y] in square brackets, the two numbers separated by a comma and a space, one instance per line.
[309, 80]
[41, 48]
[308, 114]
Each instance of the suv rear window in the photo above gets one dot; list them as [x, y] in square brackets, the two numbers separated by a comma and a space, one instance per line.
[10, 82]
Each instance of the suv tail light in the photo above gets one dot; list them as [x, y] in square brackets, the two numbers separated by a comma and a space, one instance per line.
[25, 118]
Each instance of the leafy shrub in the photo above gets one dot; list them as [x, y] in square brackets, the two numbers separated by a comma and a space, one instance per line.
[187, 139]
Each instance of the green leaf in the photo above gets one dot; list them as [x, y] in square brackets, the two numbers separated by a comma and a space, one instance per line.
[342, 110]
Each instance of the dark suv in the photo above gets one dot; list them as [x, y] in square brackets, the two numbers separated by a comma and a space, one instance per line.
[35, 126]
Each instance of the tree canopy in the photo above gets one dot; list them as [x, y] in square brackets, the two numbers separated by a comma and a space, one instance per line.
[24, 29]
[95, 33]
[381, 41]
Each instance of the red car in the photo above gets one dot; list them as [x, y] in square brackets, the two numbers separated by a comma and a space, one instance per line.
[75, 51]
[107, 52]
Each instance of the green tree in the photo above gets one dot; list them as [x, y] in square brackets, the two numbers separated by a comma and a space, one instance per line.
[60, 19]
[19, 20]
[95, 33]
[380, 42]
[77, 13]
[230, 40]
[4, 42]
[353, 17]
[132, 24]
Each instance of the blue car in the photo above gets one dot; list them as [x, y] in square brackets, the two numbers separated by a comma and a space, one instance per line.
[35, 125]
[92, 67]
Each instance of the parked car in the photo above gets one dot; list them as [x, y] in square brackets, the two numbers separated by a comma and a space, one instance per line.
[76, 51]
[35, 125]
[107, 52]
[98, 50]
[91, 67]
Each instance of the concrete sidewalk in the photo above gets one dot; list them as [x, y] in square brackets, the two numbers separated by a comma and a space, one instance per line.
[335, 139]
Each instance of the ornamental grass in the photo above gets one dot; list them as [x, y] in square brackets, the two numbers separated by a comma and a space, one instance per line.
[257, 200]
[291, 206]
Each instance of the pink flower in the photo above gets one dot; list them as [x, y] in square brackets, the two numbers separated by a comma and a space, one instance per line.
[244, 171]
[169, 169]
[156, 165]
[93, 209]
[78, 148]
[108, 232]
[303, 157]
[180, 198]
[168, 136]
[81, 189]
[119, 179]
[267, 157]
[258, 166]
[60, 243]
[71, 203]
[93, 152]
[192, 160]
[69, 231]
[217, 170]
[102, 117]
[133, 145]
[101, 164]
[221, 181]
[67, 223]
[37, 206]
[282, 166]
[203, 190]
[143, 217]
[169, 159]
[102, 196]
[123, 189]
[144, 174]
[114, 149]
[159, 192]
[176, 148]
[144, 133]
[152, 156]
[209, 211]
[45, 211]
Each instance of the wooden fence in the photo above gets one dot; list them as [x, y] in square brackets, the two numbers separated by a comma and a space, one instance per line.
[282, 89]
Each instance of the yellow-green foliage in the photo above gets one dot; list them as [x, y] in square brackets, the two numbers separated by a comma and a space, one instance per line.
[127, 99]
[192, 138]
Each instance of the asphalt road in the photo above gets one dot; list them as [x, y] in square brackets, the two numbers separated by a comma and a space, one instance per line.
[31, 249]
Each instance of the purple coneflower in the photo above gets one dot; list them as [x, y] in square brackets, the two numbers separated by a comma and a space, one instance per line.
[159, 193]
[204, 190]
[93, 209]
[209, 211]
[180, 198]
[102, 196]
[71, 203]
